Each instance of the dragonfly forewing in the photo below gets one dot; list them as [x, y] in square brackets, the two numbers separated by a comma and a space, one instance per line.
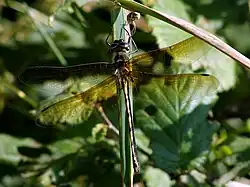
[39, 74]
[51, 80]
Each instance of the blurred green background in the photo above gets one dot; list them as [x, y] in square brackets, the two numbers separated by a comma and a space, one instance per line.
[88, 154]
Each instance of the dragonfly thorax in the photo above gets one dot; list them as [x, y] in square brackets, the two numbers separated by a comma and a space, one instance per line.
[120, 50]
[121, 60]
[118, 46]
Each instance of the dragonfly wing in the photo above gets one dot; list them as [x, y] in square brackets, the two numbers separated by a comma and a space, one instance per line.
[177, 90]
[70, 79]
[39, 74]
[77, 108]
[185, 52]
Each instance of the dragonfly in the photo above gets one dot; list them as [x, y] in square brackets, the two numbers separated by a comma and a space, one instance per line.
[110, 78]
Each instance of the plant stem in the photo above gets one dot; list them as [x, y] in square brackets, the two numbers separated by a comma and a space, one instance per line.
[119, 18]
[19, 93]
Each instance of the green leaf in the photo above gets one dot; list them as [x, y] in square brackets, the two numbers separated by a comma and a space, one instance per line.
[99, 131]
[241, 42]
[95, 162]
[193, 179]
[174, 118]
[240, 169]
[10, 153]
[142, 141]
[67, 146]
[157, 177]
[240, 144]
[166, 34]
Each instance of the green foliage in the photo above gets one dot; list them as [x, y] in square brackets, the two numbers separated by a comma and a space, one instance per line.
[168, 115]
[195, 137]
[164, 31]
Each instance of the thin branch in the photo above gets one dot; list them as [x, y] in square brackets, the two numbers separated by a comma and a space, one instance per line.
[188, 27]
[105, 117]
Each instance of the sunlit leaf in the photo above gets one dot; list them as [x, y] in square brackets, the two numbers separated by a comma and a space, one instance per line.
[157, 177]
[166, 34]
[177, 127]
[67, 146]
[240, 144]
[10, 153]
[232, 33]
[191, 179]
